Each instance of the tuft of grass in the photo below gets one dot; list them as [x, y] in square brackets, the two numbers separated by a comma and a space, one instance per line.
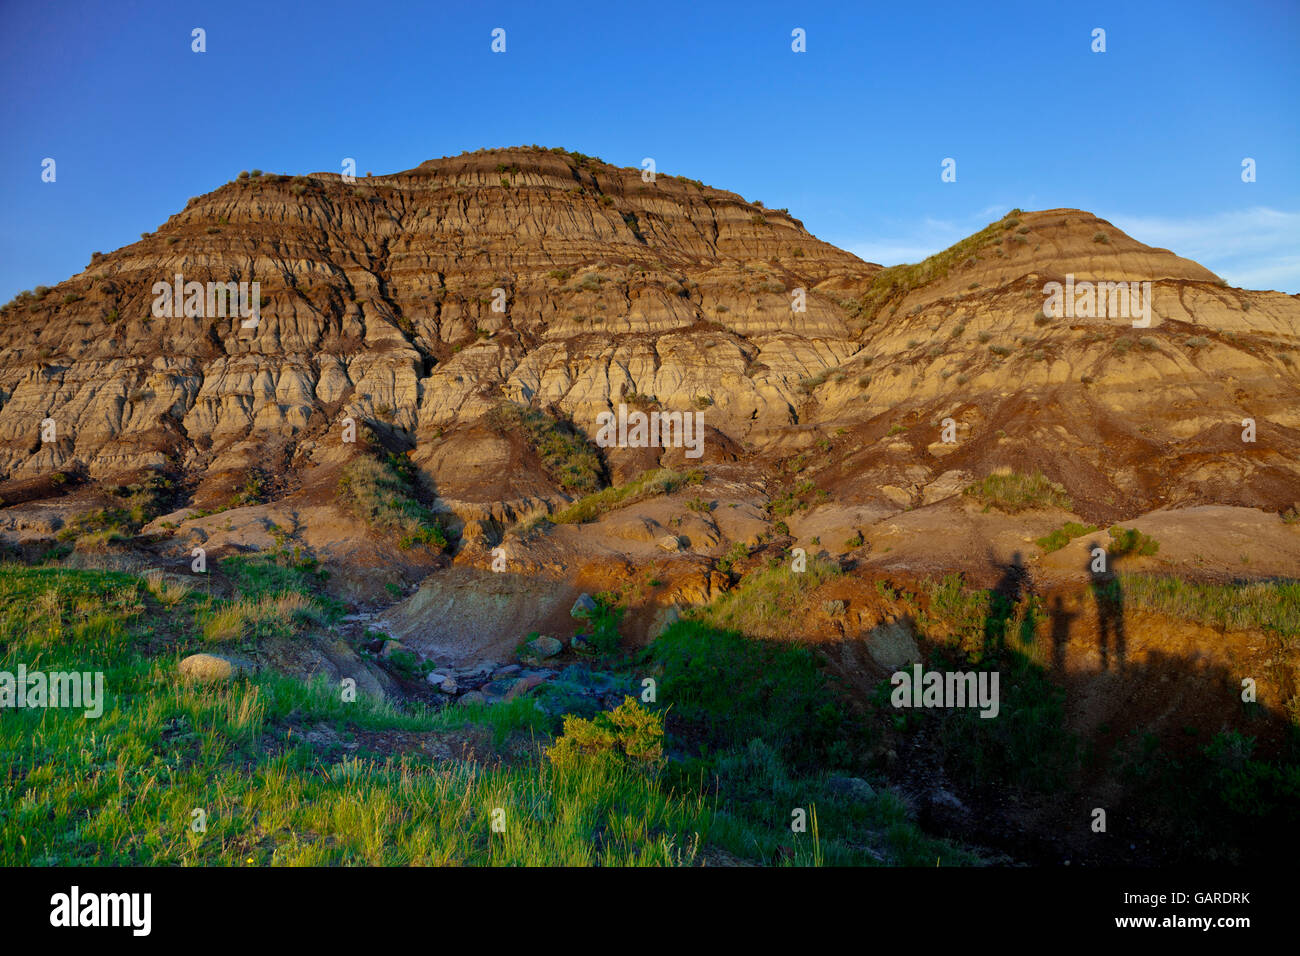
[382, 493]
[253, 619]
[167, 591]
[1016, 492]
[1125, 541]
[1058, 539]
[1272, 606]
[649, 485]
[768, 601]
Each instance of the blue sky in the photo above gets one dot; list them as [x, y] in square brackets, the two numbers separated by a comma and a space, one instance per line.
[849, 135]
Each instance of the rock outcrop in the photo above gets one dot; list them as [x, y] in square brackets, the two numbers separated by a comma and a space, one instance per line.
[416, 303]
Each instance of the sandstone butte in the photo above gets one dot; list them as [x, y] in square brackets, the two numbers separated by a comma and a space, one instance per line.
[377, 306]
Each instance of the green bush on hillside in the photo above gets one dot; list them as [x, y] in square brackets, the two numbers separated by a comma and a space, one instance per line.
[382, 493]
[1058, 539]
[1017, 492]
[1126, 541]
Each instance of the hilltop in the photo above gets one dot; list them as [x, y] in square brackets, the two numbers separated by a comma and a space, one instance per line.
[377, 306]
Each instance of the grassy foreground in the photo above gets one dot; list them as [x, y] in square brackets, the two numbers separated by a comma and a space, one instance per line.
[249, 760]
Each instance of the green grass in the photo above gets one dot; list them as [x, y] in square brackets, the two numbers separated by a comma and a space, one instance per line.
[769, 600]
[253, 619]
[1028, 745]
[277, 595]
[649, 485]
[761, 723]
[121, 790]
[383, 494]
[1017, 492]
[1125, 541]
[1272, 606]
[1058, 539]
[727, 689]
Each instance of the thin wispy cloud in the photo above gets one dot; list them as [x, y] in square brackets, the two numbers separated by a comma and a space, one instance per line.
[1256, 248]
[912, 243]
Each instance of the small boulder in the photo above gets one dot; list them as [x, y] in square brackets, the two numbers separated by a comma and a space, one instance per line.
[509, 670]
[435, 678]
[892, 646]
[585, 606]
[541, 648]
[670, 543]
[210, 668]
[449, 686]
[854, 788]
[473, 697]
[497, 688]
[523, 685]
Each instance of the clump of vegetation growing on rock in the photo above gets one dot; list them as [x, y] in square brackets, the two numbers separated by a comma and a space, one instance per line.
[383, 494]
[1014, 492]
[1124, 541]
[735, 554]
[814, 381]
[769, 600]
[1058, 539]
[140, 503]
[569, 458]
[251, 492]
[664, 481]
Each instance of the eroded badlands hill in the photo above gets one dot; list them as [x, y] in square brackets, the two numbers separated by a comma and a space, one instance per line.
[377, 305]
